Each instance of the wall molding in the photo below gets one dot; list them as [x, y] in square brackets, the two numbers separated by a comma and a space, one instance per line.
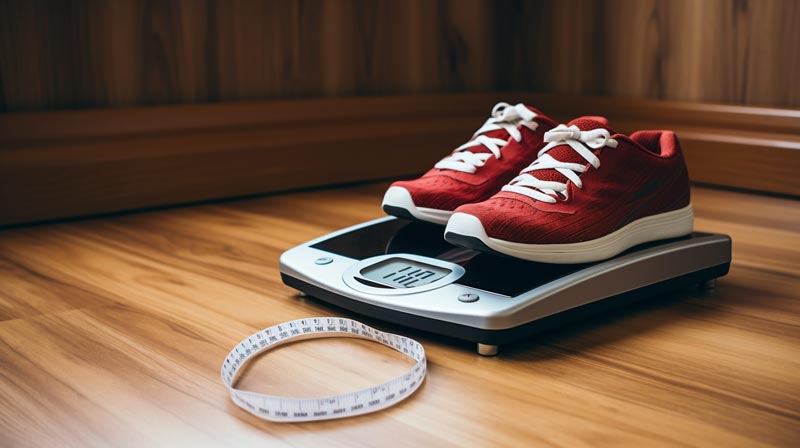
[75, 163]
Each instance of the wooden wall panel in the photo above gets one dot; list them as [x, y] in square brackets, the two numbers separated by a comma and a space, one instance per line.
[716, 51]
[95, 54]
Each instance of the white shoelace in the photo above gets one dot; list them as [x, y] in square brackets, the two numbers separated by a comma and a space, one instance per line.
[504, 116]
[540, 190]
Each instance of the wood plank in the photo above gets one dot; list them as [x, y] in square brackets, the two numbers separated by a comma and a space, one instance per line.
[714, 51]
[87, 54]
[113, 330]
[66, 164]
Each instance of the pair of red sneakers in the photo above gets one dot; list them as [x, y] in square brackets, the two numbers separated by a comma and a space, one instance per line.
[526, 187]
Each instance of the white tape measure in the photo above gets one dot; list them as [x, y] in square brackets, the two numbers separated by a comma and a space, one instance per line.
[286, 409]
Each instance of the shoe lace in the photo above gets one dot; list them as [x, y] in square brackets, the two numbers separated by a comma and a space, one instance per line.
[581, 141]
[504, 116]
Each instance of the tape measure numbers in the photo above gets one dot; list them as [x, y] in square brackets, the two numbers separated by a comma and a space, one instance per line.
[287, 409]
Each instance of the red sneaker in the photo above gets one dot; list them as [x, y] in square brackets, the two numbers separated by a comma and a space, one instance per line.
[506, 143]
[590, 195]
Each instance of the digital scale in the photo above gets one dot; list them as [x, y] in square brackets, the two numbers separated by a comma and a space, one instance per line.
[404, 272]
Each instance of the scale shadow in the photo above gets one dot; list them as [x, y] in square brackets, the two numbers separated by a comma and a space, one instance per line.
[601, 329]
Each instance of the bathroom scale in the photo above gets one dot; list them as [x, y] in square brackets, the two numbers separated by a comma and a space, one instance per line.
[404, 272]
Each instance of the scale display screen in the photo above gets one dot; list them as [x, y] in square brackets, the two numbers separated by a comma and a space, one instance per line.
[500, 275]
[403, 273]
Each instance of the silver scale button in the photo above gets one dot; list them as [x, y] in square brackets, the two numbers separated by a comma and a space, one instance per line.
[468, 298]
[323, 260]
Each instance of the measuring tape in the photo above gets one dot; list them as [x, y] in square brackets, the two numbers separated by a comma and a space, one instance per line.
[286, 409]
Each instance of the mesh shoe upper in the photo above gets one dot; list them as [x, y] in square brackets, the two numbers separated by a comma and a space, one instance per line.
[447, 189]
[645, 174]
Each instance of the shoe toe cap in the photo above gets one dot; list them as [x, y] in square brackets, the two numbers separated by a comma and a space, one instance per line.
[439, 192]
[512, 220]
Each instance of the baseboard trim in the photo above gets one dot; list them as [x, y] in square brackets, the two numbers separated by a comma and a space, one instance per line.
[74, 163]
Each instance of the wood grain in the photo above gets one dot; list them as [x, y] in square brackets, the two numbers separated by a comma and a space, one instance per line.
[84, 54]
[718, 51]
[94, 54]
[112, 332]
[73, 163]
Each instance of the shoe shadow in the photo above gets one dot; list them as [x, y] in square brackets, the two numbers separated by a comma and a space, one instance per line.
[611, 326]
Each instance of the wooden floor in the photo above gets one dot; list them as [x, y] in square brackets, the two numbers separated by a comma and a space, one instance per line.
[113, 330]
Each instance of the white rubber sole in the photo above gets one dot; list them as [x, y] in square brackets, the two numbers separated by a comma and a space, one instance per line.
[400, 198]
[651, 228]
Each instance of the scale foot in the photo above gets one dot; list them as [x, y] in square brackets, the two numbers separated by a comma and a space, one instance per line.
[708, 284]
[487, 350]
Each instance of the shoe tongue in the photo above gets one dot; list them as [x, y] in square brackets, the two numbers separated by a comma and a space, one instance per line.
[565, 153]
[501, 134]
[590, 123]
